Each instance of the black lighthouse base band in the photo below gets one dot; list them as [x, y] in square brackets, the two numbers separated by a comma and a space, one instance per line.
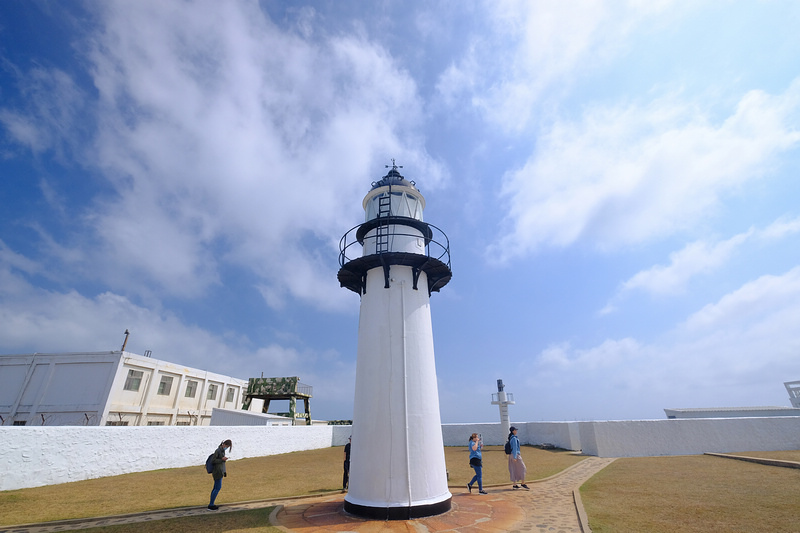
[398, 513]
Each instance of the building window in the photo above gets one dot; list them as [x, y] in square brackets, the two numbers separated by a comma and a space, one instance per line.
[165, 386]
[134, 380]
[19, 422]
[117, 423]
[183, 423]
[231, 393]
[155, 422]
[212, 392]
[191, 389]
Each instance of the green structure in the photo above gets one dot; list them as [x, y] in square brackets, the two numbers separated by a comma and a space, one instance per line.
[269, 389]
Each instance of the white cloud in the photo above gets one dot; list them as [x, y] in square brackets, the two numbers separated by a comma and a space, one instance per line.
[229, 140]
[781, 228]
[743, 346]
[632, 174]
[698, 257]
[754, 304]
[695, 258]
[67, 321]
[534, 48]
[49, 118]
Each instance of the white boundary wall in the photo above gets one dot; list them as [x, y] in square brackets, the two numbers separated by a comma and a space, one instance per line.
[689, 436]
[37, 456]
[643, 438]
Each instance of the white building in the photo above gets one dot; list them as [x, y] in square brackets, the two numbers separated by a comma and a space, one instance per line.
[731, 412]
[110, 389]
[792, 387]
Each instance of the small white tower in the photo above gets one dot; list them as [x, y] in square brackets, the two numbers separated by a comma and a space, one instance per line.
[503, 399]
[397, 467]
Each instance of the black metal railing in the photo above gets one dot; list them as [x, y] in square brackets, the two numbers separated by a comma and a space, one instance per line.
[437, 244]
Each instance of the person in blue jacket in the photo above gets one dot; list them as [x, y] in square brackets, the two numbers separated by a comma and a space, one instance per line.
[219, 471]
[475, 461]
[516, 467]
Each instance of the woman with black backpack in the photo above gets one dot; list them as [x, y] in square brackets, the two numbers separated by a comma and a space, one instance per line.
[516, 468]
[218, 460]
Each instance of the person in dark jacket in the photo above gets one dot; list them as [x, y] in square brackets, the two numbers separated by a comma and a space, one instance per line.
[346, 475]
[219, 471]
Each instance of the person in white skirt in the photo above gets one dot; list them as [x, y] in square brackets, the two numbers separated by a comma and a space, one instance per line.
[516, 467]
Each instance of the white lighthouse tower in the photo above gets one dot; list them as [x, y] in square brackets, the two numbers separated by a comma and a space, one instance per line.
[397, 467]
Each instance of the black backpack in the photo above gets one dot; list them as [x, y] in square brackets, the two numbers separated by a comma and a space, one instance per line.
[508, 447]
[210, 464]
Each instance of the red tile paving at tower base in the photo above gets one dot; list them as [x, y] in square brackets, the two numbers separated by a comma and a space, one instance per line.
[549, 506]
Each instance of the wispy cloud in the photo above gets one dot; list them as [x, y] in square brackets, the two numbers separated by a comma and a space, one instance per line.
[696, 258]
[535, 50]
[632, 174]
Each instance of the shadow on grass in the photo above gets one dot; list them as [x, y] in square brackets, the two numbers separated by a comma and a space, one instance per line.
[252, 521]
[322, 491]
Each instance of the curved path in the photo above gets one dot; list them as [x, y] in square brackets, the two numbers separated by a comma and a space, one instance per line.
[549, 506]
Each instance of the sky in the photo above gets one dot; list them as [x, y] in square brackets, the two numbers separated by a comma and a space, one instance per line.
[618, 182]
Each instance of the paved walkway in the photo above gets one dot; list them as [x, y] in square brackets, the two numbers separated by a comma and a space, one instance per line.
[548, 507]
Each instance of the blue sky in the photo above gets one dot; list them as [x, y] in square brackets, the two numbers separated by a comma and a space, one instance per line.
[618, 182]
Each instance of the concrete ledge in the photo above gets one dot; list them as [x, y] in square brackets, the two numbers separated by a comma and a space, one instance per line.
[759, 460]
[583, 520]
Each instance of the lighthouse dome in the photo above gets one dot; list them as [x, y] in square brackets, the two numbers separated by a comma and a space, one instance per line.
[393, 178]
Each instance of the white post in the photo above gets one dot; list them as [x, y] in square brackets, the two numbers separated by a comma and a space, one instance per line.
[503, 400]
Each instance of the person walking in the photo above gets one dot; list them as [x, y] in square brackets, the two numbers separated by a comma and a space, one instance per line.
[516, 467]
[475, 461]
[346, 475]
[219, 471]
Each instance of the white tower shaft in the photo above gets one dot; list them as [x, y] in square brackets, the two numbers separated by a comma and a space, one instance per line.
[397, 457]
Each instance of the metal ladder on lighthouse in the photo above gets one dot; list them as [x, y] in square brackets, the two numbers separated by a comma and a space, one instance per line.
[382, 231]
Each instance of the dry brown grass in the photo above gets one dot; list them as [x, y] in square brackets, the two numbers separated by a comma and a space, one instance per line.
[248, 479]
[689, 494]
[290, 474]
[692, 494]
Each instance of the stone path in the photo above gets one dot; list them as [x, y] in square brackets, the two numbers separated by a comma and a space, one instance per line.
[548, 507]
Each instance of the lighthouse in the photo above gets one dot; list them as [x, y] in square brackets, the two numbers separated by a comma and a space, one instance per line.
[397, 466]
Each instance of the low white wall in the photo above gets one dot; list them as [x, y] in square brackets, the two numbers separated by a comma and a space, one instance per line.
[560, 434]
[689, 436]
[458, 434]
[564, 435]
[37, 456]
[340, 435]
